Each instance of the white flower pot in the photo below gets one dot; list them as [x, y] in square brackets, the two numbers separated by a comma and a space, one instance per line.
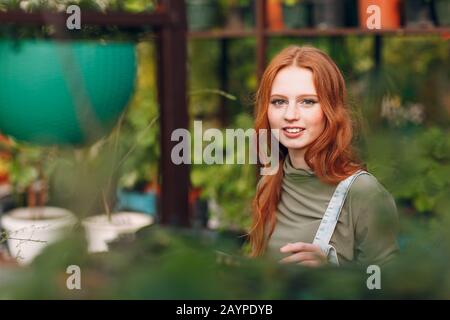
[30, 230]
[100, 231]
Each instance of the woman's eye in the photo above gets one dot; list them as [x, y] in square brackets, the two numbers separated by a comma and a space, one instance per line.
[278, 102]
[308, 102]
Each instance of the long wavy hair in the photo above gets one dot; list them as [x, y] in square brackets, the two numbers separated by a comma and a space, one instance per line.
[331, 156]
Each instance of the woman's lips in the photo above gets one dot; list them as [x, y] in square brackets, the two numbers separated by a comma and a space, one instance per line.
[293, 132]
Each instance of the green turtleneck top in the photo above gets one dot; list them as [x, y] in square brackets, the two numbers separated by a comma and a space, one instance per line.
[367, 227]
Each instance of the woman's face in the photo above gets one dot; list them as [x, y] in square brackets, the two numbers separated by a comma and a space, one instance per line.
[294, 108]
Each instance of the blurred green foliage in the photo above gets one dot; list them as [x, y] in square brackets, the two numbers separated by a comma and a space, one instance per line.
[230, 182]
[139, 133]
[165, 263]
[415, 166]
[26, 163]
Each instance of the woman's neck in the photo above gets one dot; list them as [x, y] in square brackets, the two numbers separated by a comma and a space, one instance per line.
[297, 157]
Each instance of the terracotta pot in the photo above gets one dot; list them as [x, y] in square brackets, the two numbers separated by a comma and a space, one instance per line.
[390, 13]
[274, 15]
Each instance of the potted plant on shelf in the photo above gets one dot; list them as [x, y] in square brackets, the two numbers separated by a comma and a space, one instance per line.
[442, 12]
[123, 217]
[240, 14]
[105, 228]
[135, 149]
[201, 14]
[418, 13]
[274, 15]
[138, 187]
[351, 13]
[296, 13]
[31, 226]
[389, 12]
[86, 181]
[72, 92]
[328, 13]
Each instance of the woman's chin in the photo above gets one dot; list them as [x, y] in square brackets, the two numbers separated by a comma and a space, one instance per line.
[291, 145]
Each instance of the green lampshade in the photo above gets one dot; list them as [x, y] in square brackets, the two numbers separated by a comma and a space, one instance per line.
[63, 92]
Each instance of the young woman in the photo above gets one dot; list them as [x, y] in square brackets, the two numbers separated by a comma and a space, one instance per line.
[302, 93]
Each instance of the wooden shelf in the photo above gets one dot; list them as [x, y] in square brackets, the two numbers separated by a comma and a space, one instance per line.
[311, 32]
[221, 34]
[156, 19]
[357, 31]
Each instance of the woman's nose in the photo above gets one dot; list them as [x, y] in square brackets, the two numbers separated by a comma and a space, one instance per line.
[291, 112]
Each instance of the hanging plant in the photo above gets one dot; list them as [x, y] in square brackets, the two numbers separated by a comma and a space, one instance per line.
[61, 92]
[57, 92]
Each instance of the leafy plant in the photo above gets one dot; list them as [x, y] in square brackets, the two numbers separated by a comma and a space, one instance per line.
[231, 182]
[414, 165]
[28, 170]
[140, 131]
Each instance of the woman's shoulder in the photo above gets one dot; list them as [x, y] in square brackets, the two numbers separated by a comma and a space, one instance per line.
[367, 191]
[375, 220]
[367, 184]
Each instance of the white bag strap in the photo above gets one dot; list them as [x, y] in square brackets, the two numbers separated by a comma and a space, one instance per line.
[331, 217]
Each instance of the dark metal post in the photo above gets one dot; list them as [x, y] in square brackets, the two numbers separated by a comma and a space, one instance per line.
[378, 51]
[260, 37]
[172, 57]
[223, 73]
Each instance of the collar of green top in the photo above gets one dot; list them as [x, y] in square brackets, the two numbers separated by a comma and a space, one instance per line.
[290, 170]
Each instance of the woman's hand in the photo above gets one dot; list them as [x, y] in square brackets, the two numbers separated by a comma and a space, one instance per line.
[303, 253]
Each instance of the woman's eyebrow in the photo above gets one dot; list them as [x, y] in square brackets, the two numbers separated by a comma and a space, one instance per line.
[299, 96]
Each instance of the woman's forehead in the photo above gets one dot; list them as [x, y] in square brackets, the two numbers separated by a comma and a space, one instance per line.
[293, 81]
